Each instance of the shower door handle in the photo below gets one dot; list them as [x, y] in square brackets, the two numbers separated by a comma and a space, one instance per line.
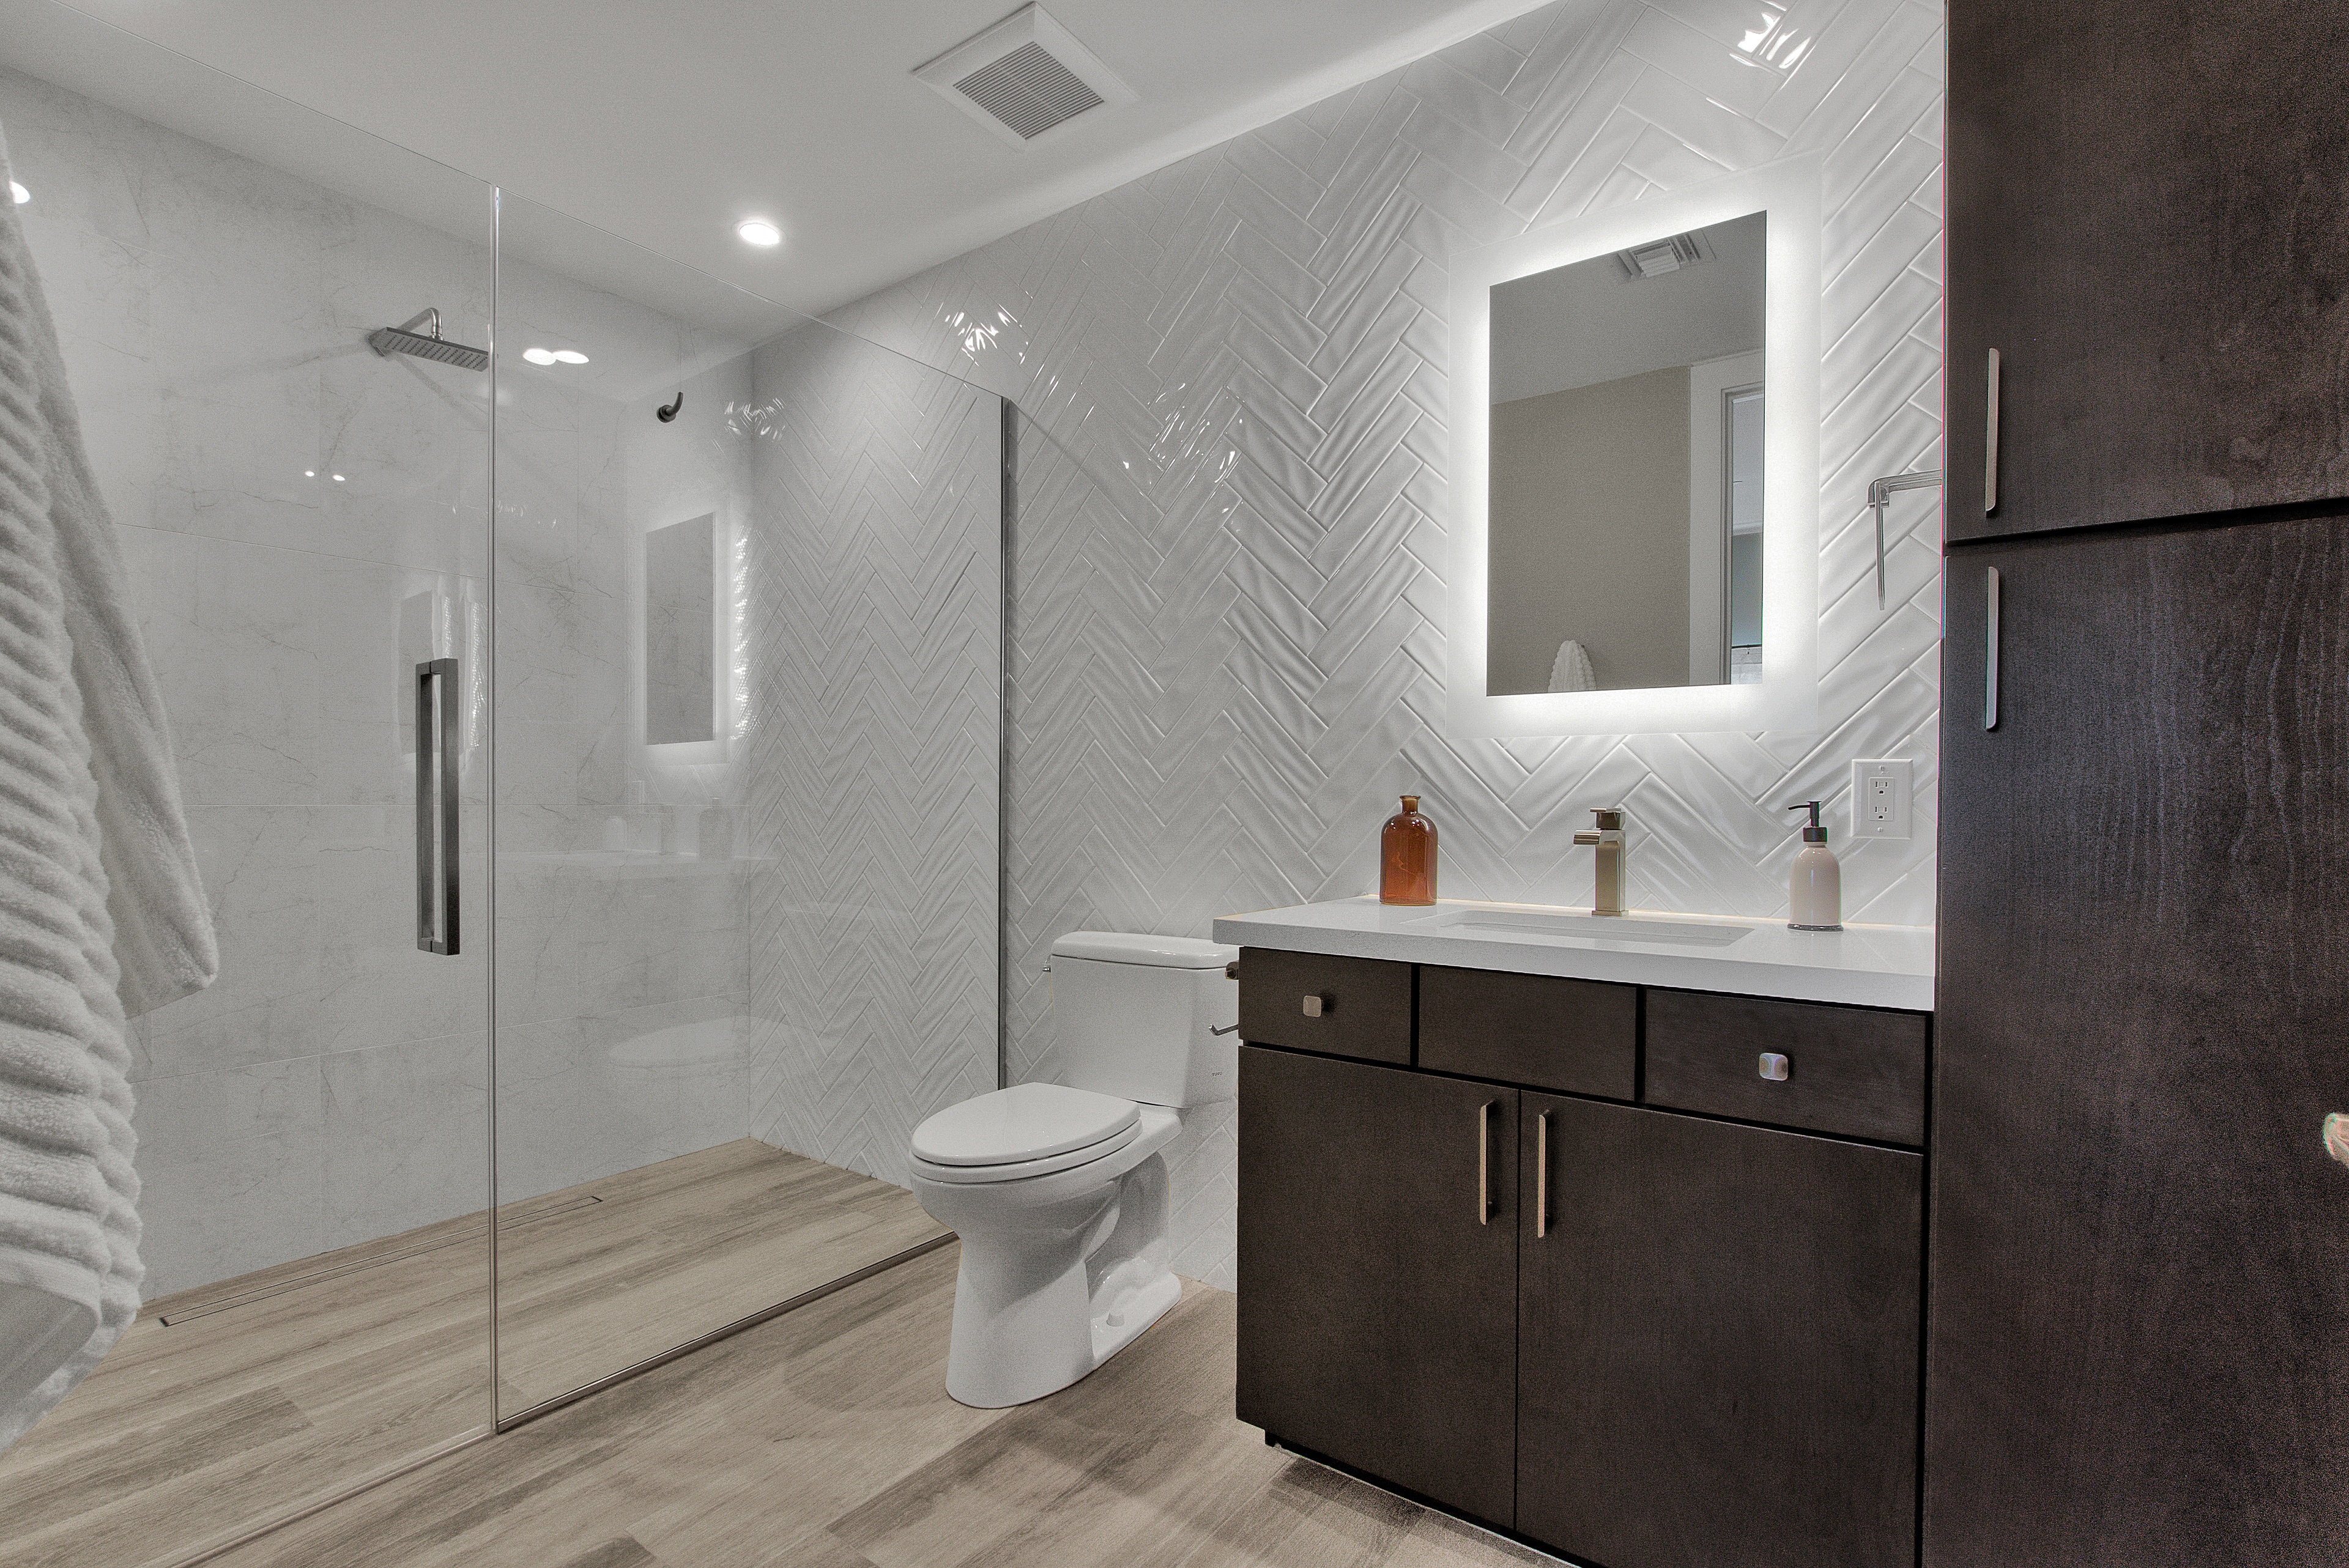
[436, 806]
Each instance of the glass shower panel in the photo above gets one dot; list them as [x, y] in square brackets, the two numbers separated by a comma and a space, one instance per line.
[748, 624]
[305, 523]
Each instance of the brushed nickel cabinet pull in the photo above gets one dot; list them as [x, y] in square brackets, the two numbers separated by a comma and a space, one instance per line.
[436, 806]
[1484, 1162]
[1541, 1174]
[1315, 1007]
[1990, 443]
[1989, 648]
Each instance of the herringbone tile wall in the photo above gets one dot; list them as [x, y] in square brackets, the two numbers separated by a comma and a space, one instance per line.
[1228, 601]
[875, 593]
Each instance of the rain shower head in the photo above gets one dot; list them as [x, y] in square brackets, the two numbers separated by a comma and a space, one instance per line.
[405, 339]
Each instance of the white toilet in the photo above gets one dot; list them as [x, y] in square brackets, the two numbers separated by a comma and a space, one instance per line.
[1057, 1189]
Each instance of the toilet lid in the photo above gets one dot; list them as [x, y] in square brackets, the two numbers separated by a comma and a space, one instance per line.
[1026, 1121]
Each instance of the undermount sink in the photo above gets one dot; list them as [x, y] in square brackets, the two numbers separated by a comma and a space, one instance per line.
[1589, 927]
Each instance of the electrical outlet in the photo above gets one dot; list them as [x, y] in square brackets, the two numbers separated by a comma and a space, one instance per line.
[1882, 794]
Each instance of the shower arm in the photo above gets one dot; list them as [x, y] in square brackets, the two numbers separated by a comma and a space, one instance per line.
[1880, 495]
[428, 316]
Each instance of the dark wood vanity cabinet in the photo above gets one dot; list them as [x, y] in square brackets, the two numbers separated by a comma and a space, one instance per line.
[1372, 1284]
[1717, 1342]
[1646, 1338]
[2150, 224]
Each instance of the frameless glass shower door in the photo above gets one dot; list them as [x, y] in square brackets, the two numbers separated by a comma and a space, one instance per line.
[748, 633]
[305, 523]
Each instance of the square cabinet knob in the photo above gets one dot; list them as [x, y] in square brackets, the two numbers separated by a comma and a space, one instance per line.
[1775, 1066]
[1316, 1006]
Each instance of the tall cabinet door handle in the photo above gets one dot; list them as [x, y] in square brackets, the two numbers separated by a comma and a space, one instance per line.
[1989, 648]
[436, 806]
[1484, 1162]
[1541, 1174]
[1990, 441]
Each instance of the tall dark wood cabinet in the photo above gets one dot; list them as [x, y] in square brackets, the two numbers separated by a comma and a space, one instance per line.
[1701, 1382]
[1374, 1287]
[2138, 1335]
[2148, 218]
[2137, 1326]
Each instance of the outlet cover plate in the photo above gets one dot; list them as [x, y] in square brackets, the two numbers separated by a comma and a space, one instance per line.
[1883, 798]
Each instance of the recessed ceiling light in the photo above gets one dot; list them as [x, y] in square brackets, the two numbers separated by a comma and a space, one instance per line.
[759, 232]
[539, 355]
[569, 356]
[19, 192]
[309, 473]
[339, 479]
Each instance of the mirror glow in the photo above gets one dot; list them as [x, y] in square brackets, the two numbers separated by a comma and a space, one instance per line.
[1636, 532]
[1626, 468]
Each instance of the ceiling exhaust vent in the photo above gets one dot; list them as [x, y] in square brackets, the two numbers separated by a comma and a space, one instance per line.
[1024, 76]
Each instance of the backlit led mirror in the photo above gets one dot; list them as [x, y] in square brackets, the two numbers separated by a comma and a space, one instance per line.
[680, 632]
[1636, 434]
[1626, 468]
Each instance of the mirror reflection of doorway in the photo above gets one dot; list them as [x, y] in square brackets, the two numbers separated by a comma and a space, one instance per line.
[1741, 506]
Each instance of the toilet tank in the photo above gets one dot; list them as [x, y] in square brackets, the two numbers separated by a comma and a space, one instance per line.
[1136, 1015]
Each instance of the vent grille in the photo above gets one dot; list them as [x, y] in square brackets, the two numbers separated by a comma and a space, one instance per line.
[1654, 260]
[1029, 90]
[1024, 77]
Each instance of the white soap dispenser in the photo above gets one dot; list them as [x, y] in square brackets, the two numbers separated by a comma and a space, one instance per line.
[1814, 893]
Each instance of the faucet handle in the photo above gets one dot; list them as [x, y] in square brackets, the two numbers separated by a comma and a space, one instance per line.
[1610, 818]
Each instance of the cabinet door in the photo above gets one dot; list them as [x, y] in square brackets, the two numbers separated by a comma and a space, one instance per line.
[2150, 223]
[1717, 1343]
[1377, 1303]
[2139, 1328]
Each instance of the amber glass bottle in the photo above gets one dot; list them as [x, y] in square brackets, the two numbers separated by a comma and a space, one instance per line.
[1407, 857]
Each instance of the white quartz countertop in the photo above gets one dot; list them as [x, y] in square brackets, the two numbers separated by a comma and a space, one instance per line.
[1861, 965]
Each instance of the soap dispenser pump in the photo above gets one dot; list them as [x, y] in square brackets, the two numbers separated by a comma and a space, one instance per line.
[1814, 893]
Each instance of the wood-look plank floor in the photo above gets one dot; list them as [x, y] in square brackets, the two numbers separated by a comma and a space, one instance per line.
[196, 1428]
[824, 1439]
[677, 1250]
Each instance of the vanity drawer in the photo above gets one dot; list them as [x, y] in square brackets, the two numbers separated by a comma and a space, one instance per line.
[1579, 1036]
[1338, 1007]
[1848, 1071]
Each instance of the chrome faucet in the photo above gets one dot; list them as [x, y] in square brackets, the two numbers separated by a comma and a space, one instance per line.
[1607, 887]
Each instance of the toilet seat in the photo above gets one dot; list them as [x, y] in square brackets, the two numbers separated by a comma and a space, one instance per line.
[1019, 1170]
[1027, 1129]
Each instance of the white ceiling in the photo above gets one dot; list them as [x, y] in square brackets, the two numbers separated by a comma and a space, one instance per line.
[666, 121]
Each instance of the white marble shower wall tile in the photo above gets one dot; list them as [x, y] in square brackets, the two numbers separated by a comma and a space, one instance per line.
[1228, 616]
[584, 1098]
[407, 1131]
[213, 315]
[315, 907]
[281, 669]
[231, 1168]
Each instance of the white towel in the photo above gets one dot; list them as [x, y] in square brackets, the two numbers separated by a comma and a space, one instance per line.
[1571, 671]
[89, 815]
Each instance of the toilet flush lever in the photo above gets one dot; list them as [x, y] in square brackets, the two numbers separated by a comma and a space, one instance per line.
[1230, 1030]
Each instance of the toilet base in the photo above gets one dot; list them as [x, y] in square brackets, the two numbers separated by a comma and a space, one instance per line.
[1120, 1326]
[1051, 1287]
